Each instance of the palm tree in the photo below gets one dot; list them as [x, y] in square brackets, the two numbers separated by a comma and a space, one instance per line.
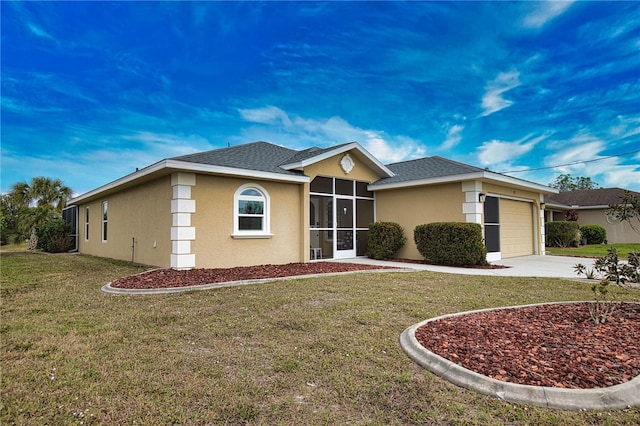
[42, 191]
[40, 200]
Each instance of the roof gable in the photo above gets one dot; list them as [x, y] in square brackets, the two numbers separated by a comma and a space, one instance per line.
[315, 155]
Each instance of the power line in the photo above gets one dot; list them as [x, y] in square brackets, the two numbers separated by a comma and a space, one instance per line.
[572, 164]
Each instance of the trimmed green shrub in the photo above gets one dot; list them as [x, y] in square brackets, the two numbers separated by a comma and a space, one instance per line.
[595, 234]
[562, 234]
[451, 243]
[385, 239]
[53, 236]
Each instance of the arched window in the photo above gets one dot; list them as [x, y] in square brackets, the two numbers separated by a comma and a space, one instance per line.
[251, 212]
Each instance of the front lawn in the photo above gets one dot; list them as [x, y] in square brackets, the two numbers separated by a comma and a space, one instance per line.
[296, 352]
[594, 250]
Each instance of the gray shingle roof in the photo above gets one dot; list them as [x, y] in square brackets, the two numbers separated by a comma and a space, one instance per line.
[426, 168]
[588, 197]
[267, 157]
[310, 153]
[259, 156]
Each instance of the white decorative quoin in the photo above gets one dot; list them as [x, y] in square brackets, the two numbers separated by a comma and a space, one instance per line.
[182, 233]
[347, 163]
[472, 208]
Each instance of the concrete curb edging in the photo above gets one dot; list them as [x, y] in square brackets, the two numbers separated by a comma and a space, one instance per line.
[135, 291]
[616, 397]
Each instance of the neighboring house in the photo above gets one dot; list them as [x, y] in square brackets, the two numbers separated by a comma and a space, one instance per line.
[592, 205]
[261, 203]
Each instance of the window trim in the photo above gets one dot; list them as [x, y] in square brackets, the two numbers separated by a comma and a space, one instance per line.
[105, 220]
[265, 232]
[86, 223]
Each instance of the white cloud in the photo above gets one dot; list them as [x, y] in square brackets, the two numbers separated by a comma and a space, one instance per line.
[545, 12]
[170, 145]
[578, 160]
[21, 107]
[266, 115]
[391, 151]
[499, 154]
[492, 101]
[580, 148]
[335, 128]
[454, 136]
[626, 127]
[38, 31]
[302, 132]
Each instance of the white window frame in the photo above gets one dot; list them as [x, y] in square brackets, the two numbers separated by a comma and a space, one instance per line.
[265, 232]
[105, 221]
[86, 223]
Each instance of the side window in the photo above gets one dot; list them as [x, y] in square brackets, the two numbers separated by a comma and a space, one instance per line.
[86, 223]
[251, 211]
[104, 220]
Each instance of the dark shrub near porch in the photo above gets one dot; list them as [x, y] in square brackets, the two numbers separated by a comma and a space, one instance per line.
[385, 239]
[451, 243]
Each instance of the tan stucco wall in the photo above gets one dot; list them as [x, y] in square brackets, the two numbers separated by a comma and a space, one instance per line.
[440, 203]
[419, 205]
[620, 233]
[214, 245]
[488, 188]
[142, 212]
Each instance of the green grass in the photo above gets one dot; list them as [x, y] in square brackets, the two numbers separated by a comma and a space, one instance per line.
[300, 352]
[594, 250]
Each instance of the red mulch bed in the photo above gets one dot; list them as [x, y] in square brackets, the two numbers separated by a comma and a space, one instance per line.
[550, 345]
[168, 278]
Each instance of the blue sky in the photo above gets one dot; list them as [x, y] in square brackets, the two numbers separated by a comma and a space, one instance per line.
[92, 90]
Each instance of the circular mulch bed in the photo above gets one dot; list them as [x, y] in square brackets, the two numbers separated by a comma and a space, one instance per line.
[553, 345]
[172, 278]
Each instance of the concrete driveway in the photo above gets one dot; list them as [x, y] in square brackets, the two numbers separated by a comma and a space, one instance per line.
[524, 266]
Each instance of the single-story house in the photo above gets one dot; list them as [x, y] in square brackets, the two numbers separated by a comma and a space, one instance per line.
[591, 206]
[260, 203]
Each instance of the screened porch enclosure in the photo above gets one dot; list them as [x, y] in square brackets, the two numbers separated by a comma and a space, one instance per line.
[340, 212]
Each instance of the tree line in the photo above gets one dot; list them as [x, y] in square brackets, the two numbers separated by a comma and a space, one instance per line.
[32, 208]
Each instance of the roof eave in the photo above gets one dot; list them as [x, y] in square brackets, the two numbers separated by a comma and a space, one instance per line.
[186, 166]
[520, 182]
[576, 207]
[234, 171]
[137, 175]
[484, 175]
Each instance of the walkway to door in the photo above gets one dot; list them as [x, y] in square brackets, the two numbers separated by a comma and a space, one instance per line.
[524, 266]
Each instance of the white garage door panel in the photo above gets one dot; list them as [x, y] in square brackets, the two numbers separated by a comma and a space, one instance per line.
[516, 226]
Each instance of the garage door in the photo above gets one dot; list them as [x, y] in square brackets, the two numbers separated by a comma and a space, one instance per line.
[516, 228]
